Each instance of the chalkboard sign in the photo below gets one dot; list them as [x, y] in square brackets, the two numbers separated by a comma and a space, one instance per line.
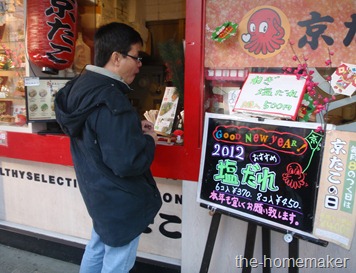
[266, 171]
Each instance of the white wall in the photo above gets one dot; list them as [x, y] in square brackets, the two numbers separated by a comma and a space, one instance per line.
[45, 199]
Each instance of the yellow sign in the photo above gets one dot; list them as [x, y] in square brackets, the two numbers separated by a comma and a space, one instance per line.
[335, 217]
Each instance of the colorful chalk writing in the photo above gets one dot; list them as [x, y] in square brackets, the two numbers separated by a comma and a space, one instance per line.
[245, 136]
[314, 139]
[265, 157]
[258, 178]
[256, 207]
[294, 176]
[227, 172]
[266, 169]
[231, 151]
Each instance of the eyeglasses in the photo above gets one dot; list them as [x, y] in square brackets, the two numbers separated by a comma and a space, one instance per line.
[138, 59]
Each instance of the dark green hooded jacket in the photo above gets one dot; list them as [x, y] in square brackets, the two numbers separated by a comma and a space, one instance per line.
[111, 155]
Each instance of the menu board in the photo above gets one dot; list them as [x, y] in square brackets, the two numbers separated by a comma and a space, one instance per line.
[264, 171]
[40, 99]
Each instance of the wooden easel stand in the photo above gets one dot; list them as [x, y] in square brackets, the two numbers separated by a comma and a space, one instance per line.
[249, 246]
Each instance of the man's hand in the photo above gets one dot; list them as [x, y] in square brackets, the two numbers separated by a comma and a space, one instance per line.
[147, 126]
[147, 129]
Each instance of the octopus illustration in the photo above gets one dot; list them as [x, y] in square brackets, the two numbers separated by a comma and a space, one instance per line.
[265, 32]
[294, 177]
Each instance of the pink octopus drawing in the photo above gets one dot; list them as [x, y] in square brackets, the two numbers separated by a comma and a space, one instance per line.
[294, 177]
[265, 32]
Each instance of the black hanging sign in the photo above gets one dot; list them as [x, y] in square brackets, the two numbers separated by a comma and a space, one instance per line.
[266, 171]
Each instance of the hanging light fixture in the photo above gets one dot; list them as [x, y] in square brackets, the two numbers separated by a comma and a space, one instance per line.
[51, 33]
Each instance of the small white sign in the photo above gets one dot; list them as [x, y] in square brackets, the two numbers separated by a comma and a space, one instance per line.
[3, 138]
[275, 95]
[32, 81]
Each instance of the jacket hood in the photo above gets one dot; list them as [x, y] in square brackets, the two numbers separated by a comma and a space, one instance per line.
[83, 95]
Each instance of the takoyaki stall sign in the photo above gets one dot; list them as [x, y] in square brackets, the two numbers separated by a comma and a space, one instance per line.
[263, 171]
[273, 33]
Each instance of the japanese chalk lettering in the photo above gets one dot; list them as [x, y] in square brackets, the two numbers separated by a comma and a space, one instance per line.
[269, 178]
[265, 157]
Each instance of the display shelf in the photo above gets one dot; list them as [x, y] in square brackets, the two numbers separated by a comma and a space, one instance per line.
[13, 64]
[12, 44]
[9, 73]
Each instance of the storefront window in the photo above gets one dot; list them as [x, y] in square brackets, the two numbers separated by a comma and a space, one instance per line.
[12, 64]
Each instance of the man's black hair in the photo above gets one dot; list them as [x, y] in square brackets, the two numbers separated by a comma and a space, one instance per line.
[113, 37]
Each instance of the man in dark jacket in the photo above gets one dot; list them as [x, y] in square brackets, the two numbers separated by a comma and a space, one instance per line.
[112, 150]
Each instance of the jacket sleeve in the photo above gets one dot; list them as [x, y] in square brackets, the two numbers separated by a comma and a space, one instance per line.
[124, 147]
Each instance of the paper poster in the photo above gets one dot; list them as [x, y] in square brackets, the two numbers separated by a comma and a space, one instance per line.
[275, 95]
[224, 32]
[343, 80]
[167, 112]
[335, 216]
[3, 138]
[40, 98]
[231, 99]
[225, 98]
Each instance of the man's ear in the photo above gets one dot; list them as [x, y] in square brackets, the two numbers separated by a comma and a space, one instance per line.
[114, 61]
[115, 57]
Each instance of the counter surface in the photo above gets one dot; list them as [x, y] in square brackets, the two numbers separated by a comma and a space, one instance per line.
[170, 161]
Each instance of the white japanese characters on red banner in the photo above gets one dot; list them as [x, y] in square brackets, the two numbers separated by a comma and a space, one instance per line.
[335, 216]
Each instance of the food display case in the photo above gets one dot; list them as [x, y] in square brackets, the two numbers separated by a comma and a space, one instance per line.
[12, 66]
